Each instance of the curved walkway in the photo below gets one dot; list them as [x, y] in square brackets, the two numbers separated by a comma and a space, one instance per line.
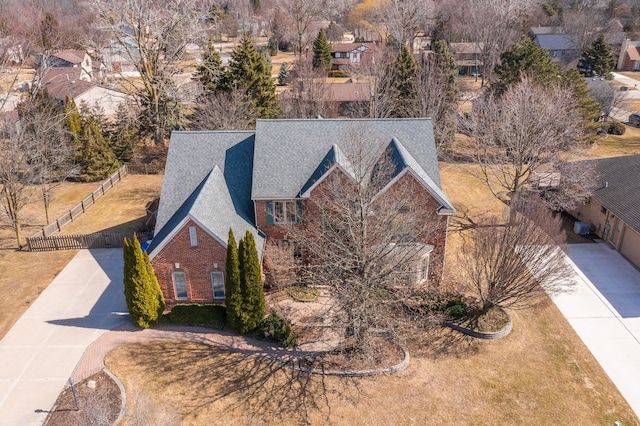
[93, 359]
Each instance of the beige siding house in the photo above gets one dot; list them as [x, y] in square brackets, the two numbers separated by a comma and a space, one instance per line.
[614, 210]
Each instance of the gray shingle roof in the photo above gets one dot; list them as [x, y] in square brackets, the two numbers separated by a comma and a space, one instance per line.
[212, 207]
[619, 189]
[288, 152]
[192, 155]
[556, 42]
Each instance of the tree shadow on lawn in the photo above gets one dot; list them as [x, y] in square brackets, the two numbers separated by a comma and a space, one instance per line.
[234, 384]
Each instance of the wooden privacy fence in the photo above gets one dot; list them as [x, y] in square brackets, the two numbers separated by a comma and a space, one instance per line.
[86, 241]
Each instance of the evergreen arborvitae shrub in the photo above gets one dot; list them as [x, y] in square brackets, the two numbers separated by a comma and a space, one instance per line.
[253, 302]
[406, 84]
[279, 329]
[233, 296]
[145, 302]
[129, 262]
[155, 285]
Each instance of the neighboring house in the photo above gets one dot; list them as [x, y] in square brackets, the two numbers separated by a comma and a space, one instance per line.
[117, 57]
[63, 83]
[613, 212]
[345, 55]
[76, 62]
[262, 180]
[629, 58]
[344, 97]
[468, 57]
[561, 47]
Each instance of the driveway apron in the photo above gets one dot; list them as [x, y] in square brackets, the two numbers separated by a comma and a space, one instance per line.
[604, 310]
[39, 353]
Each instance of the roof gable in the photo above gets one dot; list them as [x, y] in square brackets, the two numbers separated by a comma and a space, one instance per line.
[288, 152]
[212, 207]
[404, 162]
[335, 157]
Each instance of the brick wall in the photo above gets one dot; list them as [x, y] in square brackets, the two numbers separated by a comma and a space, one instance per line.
[196, 262]
[430, 228]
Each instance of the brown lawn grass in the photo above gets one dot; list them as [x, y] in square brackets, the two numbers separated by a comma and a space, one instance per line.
[614, 146]
[540, 374]
[25, 275]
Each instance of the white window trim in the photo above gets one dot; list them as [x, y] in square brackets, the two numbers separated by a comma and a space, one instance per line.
[175, 287]
[224, 290]
[193, 236]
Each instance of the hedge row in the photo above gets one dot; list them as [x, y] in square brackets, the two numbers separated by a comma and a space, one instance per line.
[209, 315]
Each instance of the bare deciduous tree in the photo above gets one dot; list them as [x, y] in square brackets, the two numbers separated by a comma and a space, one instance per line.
[381, 76]
[309, 93]
[512, 264]
[301, 18]
[530, 133]
[153, 36]
[15, 173]
[224, 110]
[370, 244]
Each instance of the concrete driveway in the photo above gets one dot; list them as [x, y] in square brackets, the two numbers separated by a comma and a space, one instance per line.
[39, 353]
[604, 310]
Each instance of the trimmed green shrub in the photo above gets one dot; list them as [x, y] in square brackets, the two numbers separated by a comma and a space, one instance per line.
[456, 308]
[616, 128]
[142, 292]
[199, 314]
[278, 328]
[251, 286]
[233, 290]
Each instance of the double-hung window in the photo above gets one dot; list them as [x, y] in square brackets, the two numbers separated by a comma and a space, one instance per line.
[284, 212]
[180, 284]
[217, 282]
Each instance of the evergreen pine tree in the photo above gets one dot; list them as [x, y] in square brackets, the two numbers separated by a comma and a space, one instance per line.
[73, 121]
[95, 156]
[232, 285]
[208, 73]
[525, 57]
[248, 71]
[447, 120]
[406, 84]
[597, 60]
[251, 283]
[590, 108]
[283, 76]
[145, 304]
[321, 51]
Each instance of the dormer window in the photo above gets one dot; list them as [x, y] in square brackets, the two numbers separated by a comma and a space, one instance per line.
[284, 212]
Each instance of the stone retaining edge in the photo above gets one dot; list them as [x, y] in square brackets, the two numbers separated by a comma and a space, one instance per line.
[123, 395]
[487, 335]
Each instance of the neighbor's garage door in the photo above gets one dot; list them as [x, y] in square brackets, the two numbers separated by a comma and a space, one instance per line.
[630, 247]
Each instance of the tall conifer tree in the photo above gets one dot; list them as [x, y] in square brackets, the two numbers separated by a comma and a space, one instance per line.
[251, 283]
[597, 60]
[249, 72]
[209, 72]
[321, 51]
[406, 84]
[232, 285]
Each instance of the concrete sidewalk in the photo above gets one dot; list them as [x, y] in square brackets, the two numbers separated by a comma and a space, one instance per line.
[40, 352]
[604, 310]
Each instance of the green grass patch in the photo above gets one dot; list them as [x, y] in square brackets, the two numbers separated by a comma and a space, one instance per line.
[302, 293]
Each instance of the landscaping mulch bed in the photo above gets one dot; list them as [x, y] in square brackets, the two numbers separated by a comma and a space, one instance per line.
[98, 406]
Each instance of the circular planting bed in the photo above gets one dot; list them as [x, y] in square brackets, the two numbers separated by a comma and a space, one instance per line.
[302, 293]
[493, 324]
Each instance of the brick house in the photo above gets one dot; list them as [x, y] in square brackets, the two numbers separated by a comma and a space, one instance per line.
[346, 55]
[262, 181]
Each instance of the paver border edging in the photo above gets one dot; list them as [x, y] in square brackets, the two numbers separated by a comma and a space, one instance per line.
[123, 395]
[356, 373]
[487, 335]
